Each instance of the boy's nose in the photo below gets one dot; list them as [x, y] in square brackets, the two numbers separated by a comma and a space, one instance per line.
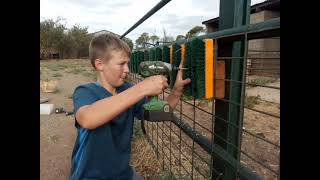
[126, 68]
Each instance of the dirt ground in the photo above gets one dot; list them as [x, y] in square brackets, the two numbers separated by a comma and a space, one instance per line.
[57, 132]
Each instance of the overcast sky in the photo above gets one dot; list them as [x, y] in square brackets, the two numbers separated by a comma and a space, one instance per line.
[177, 17]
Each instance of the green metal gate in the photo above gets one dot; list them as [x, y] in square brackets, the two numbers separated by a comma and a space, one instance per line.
[234, 137]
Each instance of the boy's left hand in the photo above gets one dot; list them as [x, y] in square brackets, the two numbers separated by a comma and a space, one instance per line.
[180, 83]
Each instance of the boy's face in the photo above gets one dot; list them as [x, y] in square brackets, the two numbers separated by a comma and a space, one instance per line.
[116, 68]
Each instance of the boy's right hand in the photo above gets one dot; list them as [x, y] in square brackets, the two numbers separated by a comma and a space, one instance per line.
[153, 85]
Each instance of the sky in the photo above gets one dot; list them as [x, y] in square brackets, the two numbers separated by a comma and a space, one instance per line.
[177, 17]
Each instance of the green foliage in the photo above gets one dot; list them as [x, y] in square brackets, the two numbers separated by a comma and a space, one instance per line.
[180, 37]
[154, 39]
[79, 38]
[56, 75]
[69, 43]
[77, 71]
[194, 32]
[57, 67]
[137, 131]
[51, 36]
[251, 101]
[260, 82]
[142, 40]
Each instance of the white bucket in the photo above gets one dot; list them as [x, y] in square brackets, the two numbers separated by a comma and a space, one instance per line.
[46, 108]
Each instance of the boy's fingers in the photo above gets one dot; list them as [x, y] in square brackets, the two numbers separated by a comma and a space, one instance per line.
[165, 86]
[179, 74]
[181, 67]
[186, 81]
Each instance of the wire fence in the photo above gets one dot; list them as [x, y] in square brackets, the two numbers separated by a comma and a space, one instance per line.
[187, 146]
[227, 123]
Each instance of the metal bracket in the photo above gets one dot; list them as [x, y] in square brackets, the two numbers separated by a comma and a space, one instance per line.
[158, 115]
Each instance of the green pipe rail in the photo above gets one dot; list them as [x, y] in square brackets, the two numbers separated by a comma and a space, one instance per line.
[260, 30]
[146, 16]
[209, 146]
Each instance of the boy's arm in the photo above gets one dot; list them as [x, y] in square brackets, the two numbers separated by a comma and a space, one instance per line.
[104, 110]
[174, 97]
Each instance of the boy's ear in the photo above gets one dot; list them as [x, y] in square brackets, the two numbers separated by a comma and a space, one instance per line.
[98, 64]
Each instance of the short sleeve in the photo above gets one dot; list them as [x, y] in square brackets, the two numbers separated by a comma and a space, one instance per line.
[82, 96]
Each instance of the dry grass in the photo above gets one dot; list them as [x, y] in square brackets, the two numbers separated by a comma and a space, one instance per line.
[144, 159]
[178, 155]
[251, 101]
[259, 124]
[259, 81]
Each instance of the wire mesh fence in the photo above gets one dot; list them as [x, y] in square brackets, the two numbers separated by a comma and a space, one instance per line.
[227, 123]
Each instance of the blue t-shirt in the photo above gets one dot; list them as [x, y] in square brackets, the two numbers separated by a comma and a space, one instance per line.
[103, 153]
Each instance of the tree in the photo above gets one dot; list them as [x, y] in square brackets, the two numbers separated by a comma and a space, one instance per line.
[51, 36]
[66, 48]
[194, 32]
[154, 39]
[180, 37]
[79, 37]
[142, 40]
[166, 39]
[70, 43]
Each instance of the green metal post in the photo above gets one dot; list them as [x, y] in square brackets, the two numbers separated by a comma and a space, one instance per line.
[233, 13]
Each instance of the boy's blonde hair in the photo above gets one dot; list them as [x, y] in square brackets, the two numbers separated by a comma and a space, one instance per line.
[103, 45]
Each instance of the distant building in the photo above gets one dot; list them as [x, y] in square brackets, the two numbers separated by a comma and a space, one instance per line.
[263, 54]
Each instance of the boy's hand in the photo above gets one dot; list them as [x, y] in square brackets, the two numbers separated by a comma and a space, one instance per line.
[180, 83]
[177, 90]
[153, 85]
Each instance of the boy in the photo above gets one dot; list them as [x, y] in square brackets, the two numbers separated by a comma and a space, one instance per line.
[104, 112]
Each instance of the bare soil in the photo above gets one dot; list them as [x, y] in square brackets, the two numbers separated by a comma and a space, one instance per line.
[57, 132]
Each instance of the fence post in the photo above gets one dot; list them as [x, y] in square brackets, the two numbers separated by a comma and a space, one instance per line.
[233, 13]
